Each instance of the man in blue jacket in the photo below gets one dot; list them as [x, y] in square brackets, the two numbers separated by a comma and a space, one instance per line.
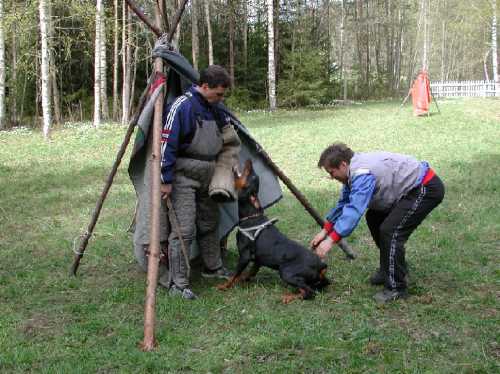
[191, 142]
[396, 191]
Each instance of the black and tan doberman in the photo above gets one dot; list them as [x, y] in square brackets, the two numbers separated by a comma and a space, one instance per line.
[261, 243]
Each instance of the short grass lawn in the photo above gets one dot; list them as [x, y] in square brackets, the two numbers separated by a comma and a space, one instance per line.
[51, 322]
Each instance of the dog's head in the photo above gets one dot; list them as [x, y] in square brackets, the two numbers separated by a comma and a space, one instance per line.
[246, 182]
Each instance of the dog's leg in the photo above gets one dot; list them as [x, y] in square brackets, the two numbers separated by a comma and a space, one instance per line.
[243, 262]
[252, 273]
[289, 297]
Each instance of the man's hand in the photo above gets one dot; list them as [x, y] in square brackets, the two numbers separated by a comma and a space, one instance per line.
[318, 238]
[324, 247]
[165, 190]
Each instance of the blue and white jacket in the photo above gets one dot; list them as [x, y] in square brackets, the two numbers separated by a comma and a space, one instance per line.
[179, 127]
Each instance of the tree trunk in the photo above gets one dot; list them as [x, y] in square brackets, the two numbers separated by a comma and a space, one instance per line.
[103, 67]
[206, 3]
[126, 54]
[232, 15]
[245, 36]
[115, 62]
[97, 65]
[134, 76]
[2, 69]
[13, 101]
[177, 35]
[443, 41]
[494, 52]
[342, 62]
[271, 74]
[195, 42]
[276, 26]
[44, 36]
[426, 32]
[53, 72]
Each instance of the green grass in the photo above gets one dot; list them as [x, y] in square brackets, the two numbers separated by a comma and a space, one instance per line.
[51, 322]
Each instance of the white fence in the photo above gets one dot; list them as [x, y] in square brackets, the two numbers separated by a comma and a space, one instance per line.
[465, 89]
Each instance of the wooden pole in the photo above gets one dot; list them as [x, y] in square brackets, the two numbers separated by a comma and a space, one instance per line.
[109, 181]
[156, 30]
[149, 342]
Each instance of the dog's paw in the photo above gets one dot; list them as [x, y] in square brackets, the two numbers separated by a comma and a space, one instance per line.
[288, 298]
[223, 286]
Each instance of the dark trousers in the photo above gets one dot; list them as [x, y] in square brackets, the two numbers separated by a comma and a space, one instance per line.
[390, 230]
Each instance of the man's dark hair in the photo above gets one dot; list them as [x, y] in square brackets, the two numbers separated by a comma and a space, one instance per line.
[215, 76]
[334, 154]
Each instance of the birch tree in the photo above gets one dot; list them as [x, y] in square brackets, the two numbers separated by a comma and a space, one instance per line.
[13, 102]
[195, 45]
[97, 65]
[206, 3]
[231, 10]
[103, 67]
[115, 62]
[44, 68]
[2, 68]
[271, 73]
[126, 57]
[52, 68]
[425, 65]
[245, 35]
[494, 50]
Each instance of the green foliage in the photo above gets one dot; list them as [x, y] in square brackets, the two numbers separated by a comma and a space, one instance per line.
[241, 99]
[51, 322]
[302, 85]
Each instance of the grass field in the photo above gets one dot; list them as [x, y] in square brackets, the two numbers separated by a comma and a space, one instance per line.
[53, 323]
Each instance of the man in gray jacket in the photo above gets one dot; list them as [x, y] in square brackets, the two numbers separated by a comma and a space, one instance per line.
[396, 191]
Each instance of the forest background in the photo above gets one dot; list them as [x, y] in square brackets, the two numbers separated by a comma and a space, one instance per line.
[322, 51]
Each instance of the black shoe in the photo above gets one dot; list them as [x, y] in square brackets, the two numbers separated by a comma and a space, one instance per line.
[387, 295]
[377, 278]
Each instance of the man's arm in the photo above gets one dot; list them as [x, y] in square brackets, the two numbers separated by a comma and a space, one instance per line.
[331, 217]
[361, 192]
[177, 124]
[336, 211]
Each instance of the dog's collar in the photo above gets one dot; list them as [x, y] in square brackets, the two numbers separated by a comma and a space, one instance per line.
[253, 232]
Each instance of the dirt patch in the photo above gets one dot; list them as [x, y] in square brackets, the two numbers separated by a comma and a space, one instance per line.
[38, 325]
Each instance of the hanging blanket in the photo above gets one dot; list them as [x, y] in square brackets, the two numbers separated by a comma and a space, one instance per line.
[180, 76]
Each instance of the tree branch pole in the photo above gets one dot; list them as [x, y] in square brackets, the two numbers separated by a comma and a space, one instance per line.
[315, 215]
[149, 342]
[144, 18]
[109, 181]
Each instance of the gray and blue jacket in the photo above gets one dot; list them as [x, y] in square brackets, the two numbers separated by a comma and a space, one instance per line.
[376, 180]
